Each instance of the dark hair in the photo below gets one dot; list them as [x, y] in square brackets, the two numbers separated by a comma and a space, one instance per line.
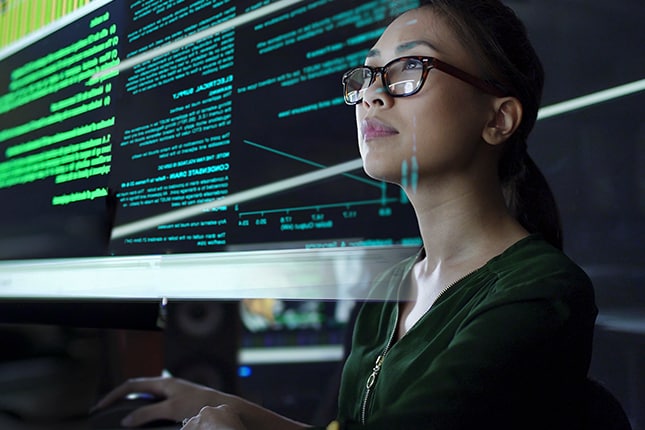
[497, 38]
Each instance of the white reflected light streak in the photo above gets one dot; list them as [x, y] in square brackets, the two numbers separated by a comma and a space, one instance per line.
[591, 99]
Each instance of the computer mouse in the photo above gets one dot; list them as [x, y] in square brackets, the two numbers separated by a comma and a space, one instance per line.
[110, 417]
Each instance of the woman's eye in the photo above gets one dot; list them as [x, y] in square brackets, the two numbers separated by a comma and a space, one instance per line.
[411, 65]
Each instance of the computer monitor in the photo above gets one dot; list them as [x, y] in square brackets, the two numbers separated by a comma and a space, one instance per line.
[192, 150]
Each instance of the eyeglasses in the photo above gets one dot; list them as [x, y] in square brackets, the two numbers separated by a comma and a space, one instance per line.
[403, 77]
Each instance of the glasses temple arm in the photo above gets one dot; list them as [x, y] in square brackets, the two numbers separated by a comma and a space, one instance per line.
[486, 86]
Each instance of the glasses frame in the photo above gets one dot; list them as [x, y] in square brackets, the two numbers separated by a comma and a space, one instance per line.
[428, 63]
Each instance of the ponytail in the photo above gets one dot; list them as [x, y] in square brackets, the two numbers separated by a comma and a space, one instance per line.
[530, 200]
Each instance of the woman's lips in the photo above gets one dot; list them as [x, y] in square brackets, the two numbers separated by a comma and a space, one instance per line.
[372, 128]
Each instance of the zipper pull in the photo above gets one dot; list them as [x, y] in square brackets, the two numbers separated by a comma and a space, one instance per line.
[375, 371]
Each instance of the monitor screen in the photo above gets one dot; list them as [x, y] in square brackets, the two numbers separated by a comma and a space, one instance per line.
[202, 149]
[193, 150]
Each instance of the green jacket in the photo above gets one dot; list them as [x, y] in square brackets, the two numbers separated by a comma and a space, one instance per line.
[507, 347]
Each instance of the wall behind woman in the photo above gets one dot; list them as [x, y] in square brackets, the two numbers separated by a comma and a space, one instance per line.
[594, 159]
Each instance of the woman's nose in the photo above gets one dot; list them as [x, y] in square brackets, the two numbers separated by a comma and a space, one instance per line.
[376, 94]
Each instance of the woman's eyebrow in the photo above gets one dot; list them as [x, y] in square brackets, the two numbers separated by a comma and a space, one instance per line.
[406, 46]
[373, 53]
[414, 43]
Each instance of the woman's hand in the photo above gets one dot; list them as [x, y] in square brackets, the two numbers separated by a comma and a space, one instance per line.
[180, 399]
[222, 417]
[201, 406]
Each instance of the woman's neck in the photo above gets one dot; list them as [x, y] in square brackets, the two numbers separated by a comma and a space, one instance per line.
[464, 227]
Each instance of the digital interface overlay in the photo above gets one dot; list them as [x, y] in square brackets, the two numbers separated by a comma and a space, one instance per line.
[240, 109]
[175, 165]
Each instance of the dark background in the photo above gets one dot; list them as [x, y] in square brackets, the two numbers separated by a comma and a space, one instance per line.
[594, 159]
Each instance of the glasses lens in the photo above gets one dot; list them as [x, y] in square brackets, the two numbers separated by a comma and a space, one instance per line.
[356, 81]
[404, 76]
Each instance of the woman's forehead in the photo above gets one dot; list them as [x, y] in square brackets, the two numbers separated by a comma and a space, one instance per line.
[414, 28]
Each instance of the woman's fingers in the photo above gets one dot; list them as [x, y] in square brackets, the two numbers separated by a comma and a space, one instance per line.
[177, 399]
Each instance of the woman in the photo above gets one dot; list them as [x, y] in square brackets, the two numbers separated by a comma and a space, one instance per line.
[490, 325]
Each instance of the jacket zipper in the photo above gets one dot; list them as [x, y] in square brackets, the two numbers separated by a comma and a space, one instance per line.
[371, 379]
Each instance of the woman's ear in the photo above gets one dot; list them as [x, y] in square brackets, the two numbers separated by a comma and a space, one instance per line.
[507, 116]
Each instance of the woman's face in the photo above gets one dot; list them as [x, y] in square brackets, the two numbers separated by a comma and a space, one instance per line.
[436, 131]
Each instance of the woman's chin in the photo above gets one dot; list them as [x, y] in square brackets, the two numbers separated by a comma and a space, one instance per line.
[382, 170]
